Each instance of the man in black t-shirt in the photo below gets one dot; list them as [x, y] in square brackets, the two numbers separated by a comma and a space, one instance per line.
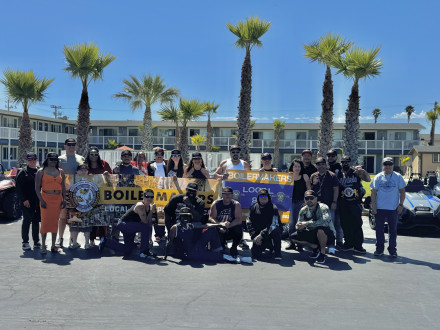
[309, 168]
[332, 157]
[266, 163]
[349, 204]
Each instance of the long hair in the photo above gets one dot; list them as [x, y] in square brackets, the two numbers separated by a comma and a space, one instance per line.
[137, 155]
[191, 165]
[170, 164]
[46, 162]
[299, 161]
[99, 161]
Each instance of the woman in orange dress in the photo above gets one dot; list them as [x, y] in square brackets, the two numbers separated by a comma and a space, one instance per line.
[51, 191]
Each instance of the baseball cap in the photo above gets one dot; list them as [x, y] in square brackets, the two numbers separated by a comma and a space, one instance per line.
[320, 160]
[82, 166]
[266, 156]
[227, 190]
[307, 151]
[159, 150]
[332, 152]
[192, 186]
[70, 140]
[310, 193]
[387, 160]
[176, 152]
[234, 147]
[196, 155]
[126, 152]
[346, 159]
[31, 155]
[185, 210]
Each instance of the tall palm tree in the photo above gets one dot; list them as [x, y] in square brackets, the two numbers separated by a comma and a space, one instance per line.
[356, 64]
[248, 33]
[323, 52]
[211, 108]
[189, 110]
[171, 113]
[144, 93]
[84, 61]
[409, 111]
[432, 116]
[376, 113]
[278, 127]
[26, 88]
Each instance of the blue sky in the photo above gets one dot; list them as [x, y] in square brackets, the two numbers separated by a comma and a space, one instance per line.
[188, 44]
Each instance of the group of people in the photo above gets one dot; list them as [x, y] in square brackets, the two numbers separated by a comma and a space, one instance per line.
[326, 208]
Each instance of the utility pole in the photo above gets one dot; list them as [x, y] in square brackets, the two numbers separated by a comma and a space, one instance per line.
[10, 106]
[56, 107]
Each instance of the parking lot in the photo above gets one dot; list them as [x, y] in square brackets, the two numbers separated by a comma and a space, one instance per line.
[79, 289]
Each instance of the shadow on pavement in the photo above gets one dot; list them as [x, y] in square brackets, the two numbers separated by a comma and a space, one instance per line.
[60, 258]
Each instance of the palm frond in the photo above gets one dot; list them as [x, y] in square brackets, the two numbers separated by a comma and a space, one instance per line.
[191, 109]
[358, 63]
[249, 31]
[326, 47]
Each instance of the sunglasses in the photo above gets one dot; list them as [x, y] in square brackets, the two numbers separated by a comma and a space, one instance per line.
[235, 152]
[124, 155]
[149, 196]
[388, 164]
[71, 144]
[175, 155]
[331, 155]
[263, 196]
[32, 159]
[53, 159]
[93, 154]
[83, 169]
[309, 198]
[160, 154]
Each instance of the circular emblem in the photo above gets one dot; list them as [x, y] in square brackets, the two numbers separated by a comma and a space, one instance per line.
[348, 192]
[281, 197]
[84, 195]
[236, 194]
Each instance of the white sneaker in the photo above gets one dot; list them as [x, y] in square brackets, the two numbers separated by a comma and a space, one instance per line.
[26, 246]
[245, 260]
[331, 250]
[229, 258]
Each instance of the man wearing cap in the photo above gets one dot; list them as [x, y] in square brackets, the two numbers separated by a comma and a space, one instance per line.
[227, 212]
[125, 167]
[326, 186]
[233, 163]
[349, 204]
[332, 157]
[68, 163]
[188, 199]
[264, 225]
[25, 183]
[387, 197]
[309, 168]
[314, 227]
[158, 167]
[266, 163]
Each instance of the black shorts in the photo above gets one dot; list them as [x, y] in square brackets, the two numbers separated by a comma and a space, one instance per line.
[311, 235]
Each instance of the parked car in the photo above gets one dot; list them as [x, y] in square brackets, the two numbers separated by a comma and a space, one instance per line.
[9, 202]
[420, 208]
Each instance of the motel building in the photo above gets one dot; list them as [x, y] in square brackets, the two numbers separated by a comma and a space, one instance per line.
[375, 140]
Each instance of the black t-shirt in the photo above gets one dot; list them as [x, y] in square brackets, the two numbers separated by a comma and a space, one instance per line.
[349, 186]
[174, 205]
[260, 218]
[335, 168]
[225, 213]
[132, 216]
[309, 170]
[323, 185]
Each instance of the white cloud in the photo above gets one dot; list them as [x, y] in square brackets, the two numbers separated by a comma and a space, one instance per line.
[415, 115]
[225, 118]
[366, 118]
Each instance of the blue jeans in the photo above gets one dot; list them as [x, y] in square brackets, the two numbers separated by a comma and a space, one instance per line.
[336, 219]
[391, 217]
[296, 207]
[129, 230]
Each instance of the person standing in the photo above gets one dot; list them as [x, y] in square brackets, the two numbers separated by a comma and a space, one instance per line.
[140, 161]
[68, 162]
[95, 164]
[196, 168]
[25, 183]
[349, 204]
[387, 197]
[125, 167]
[309, 168]
[332, 157]
[175, 166]
[233, 163]
[50, 187]
[266, 163]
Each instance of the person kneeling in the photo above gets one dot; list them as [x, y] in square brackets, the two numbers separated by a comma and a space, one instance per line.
[314, 227]
[137, 219]
[264, 225]
[195, 241]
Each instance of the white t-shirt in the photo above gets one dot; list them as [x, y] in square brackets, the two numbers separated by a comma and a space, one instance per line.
[231, 166]
[160, 170]
[387, 186]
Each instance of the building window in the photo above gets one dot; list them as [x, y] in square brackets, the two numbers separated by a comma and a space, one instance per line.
[133, 132]
[436, 158]
[400, 136]
[46, 127]
[10, 154]
[34, 125]
[194, 131]
[107, 132]
[40, 126]
[257, 135]
[301, 135]
[66, 129]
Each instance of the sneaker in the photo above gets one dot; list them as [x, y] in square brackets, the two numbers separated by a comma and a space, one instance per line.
[74, 246]
[345, 247]
[102, 244]
[87, 246]
[393, 254]
[360, 250]
[229, 258]
[315, 254]
[244, 245]
[378, 253]
[321, 259]
[339, 245]
[331, 250]
[37, 246]
[245, 260]
[278, 257]
[147, 254]
[233, 251]
[26, 246]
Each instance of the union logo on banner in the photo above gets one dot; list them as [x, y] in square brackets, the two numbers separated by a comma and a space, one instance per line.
[84, 195]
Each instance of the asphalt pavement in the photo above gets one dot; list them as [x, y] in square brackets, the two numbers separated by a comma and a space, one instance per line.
[80, 289]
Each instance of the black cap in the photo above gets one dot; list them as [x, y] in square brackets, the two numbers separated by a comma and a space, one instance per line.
[158, 150]
[263, 191]
[126, 152]
[192, 186]
[31, 155]
[185, 210]
[196, 155]
[176, 152]
[320, 160]
[227, 190]
[266, 156]
[307, 151]
[310, 193]
[234, 147]
[70, 140]
[332, 152]
[345, 158]
[52, 155]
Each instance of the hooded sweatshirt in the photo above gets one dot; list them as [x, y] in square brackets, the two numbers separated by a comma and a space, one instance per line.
[260, 217]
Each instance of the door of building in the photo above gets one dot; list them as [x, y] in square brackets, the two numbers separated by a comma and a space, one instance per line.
[369, 164]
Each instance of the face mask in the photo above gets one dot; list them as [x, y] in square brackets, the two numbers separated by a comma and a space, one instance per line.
[345, 167]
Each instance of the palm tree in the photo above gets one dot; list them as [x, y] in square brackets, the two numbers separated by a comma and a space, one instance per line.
[432, 116]
[198, 140]
[171, 113]
[323, 51]
[84, 61]
[146, 92]
[211, 108]
[26, 88]
[189, 110]
[409, 111]
[376, 114]
[248, 33]
[278, 127]
[356, 64]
